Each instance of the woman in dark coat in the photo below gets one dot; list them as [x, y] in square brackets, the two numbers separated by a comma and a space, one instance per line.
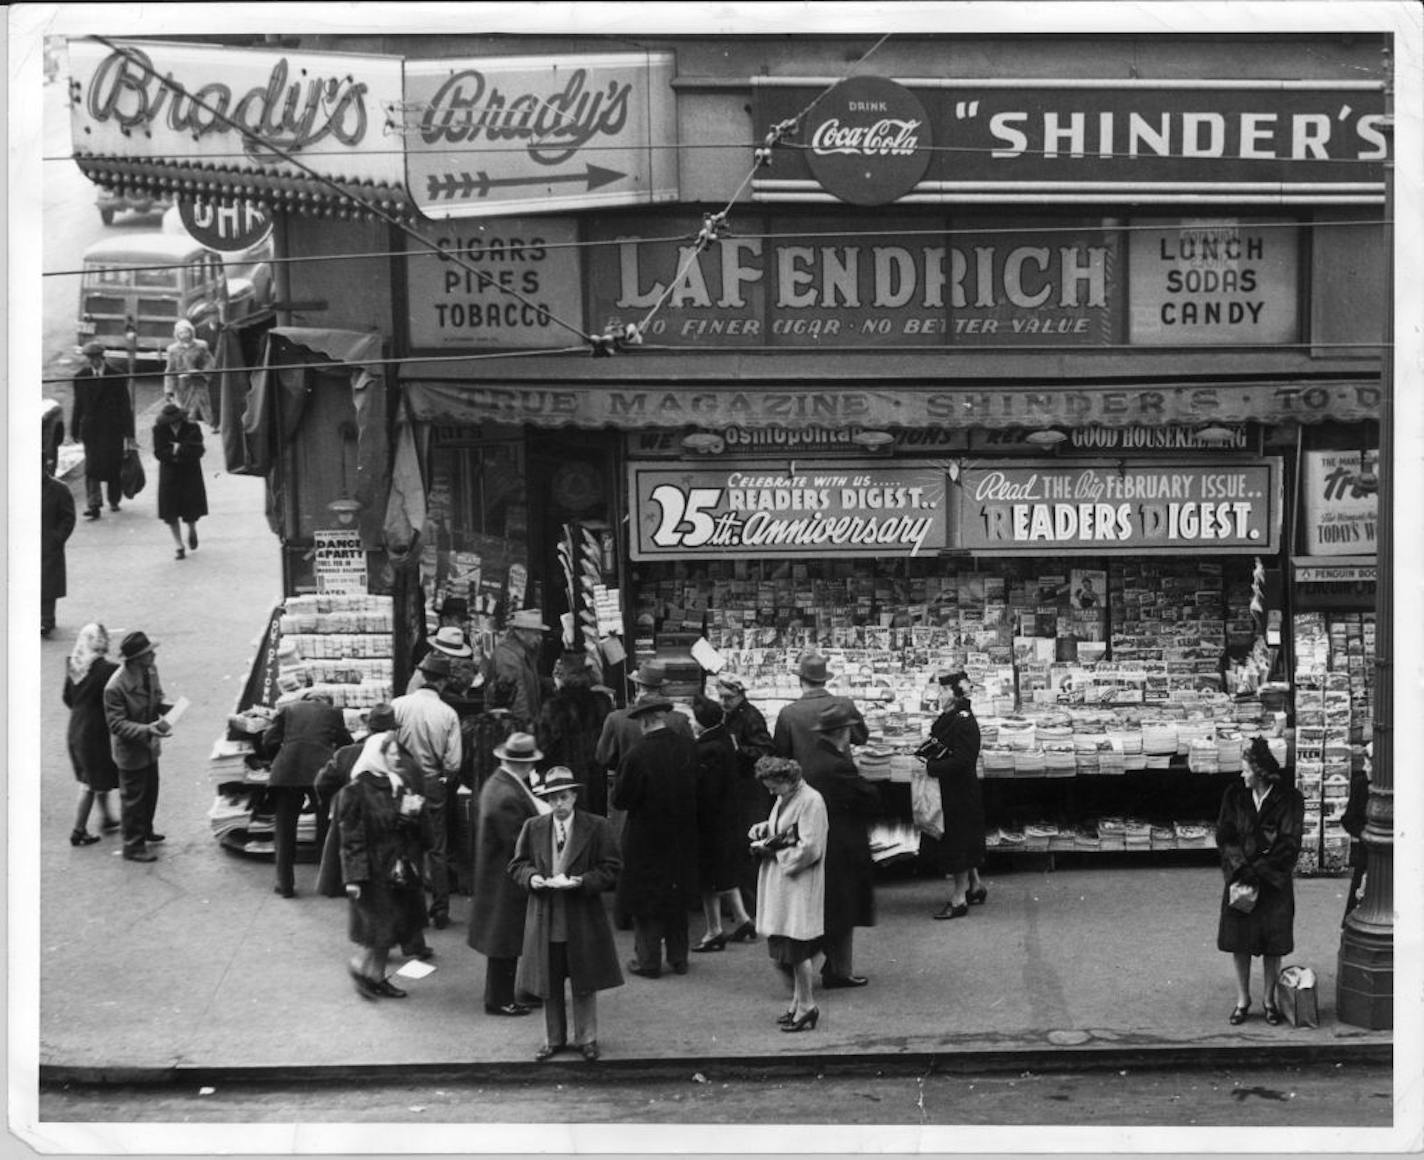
[56, 526]
[86, 673]
[1258, 835]
[378, 818]
[182, 495]
[569, 724]
[851, 804]
[954, 765]
[721, 837]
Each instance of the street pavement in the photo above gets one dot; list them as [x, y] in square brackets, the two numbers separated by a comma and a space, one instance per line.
[193, 967]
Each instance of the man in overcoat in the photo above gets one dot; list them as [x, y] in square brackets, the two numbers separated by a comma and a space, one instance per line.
[747, 728]
[498, 906]
[851, 804]
[566, 859]
[134, 709]
[516, 658]
[657, 787]
[102, 419]
[56, 525]
[796, 735]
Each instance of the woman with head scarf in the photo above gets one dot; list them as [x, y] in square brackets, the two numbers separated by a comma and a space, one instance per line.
[1258, 836]
[378, 817]
[182, 495]
[87, 671]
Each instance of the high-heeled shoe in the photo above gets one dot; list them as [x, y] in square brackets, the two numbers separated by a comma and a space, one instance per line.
[1238, 1013]
[806, 1022]
[786, 1017]
[744, 933]
[976, 897]
[952, 911]
[716, 942]
[1273, 1015]
[82, 838]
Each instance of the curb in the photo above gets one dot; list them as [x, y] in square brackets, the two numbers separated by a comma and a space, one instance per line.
[1169, 1058]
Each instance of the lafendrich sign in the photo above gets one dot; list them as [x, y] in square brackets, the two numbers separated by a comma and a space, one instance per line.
[1108, 507]
[1023, 138]
[789, 283]
[505, 282]
[238, 109]
[817, 508]
[531, 134]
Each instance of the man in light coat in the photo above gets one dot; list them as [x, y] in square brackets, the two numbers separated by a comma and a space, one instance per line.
[796, 735]
[134, 709]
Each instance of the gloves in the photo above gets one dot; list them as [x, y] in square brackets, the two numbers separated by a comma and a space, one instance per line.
[1247, 877]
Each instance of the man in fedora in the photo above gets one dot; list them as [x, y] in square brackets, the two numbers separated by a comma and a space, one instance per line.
[429, 730]
[565, 860]
[134, 709]
[796, 735]
[497, 909]
[621, 732]
[103, 420]
[851, 804]
[516, 658]
[657, 787]
[449, 638]
[747, 728]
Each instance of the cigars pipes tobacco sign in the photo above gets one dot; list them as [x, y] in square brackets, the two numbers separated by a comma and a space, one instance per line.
[1100, 508]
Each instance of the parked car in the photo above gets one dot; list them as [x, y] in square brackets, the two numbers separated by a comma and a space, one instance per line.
[253, 264]
[111, 203]
[145, 283]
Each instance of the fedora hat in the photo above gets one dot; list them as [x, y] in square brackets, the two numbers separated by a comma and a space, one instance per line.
[451, 641]
[437, 664]
[732, 684]
[813, 668]
[455, 606]
[135, 644]
[518, 747]
[93, 349]
[556, 780]
[650, 674]
[528, 618]
[649, 705]
[952, 676]
[171, 412]
[837, 716]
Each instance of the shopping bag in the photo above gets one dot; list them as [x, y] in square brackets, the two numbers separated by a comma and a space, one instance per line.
[1295, 996]
[131, 476]
[926, 805]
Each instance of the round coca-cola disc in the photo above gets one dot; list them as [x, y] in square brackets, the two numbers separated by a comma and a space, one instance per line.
[868, 141]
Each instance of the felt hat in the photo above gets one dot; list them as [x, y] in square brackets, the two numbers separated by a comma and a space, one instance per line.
[437, 664]
[528, 618]
[836, 716]
[650, 674]
[170, 412]
[952, 676]
[381, 718]
[135, 644]
[455, 606]
[813, 668]
[518, 747]
[93, 349]
[451, 641]
[557, 779]
[649, 705]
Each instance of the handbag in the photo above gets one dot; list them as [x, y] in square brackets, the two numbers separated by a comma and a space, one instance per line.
[926, 804]
[131, 475]
[1241, 896]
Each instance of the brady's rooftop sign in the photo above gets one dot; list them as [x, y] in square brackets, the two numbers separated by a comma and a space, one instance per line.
[1039, 140]
[501, 135]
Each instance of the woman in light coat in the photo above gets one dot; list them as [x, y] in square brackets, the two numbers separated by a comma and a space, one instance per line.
[791, 884]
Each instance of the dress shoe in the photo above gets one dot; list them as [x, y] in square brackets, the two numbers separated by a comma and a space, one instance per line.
[786, 1017]
[82, 838]
[977, 897]
[546, 1051]
[179, 554]
[1238, 1014]
[140, 856]
[589, 1051]
[388, 990]
[284, 891]
[806, 1022]
[508, 1009]
[193, 538]
[678, 968]
[716, 943]
[952, 911]
[365, 987]
[153, 837]
[92, 513]
[424, 954]
[634, 968]
[440, 921]
[832, 982]
[1273, 1015]
[744, 933]
[113, 507]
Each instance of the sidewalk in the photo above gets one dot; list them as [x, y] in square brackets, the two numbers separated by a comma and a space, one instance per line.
[193, 968]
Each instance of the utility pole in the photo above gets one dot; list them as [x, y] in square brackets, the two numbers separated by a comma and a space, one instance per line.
[1364, 980]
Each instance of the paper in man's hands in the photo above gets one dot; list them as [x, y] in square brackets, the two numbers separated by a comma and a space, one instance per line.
[175, 714]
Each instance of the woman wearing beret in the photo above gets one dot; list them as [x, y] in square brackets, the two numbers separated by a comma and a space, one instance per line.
[1258, 835]
[178, 447]
[961, 849]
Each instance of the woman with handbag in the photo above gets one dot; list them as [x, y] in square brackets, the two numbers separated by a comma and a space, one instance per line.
[379, 821]
[1258, 835]
[182, 495]
[952, 757]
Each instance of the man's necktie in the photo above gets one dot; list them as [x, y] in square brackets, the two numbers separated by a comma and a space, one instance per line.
[559, 835]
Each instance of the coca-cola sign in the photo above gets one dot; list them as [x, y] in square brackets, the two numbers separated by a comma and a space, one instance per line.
[868, 141]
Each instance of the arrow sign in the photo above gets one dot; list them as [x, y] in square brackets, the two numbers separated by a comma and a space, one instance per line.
[466, 185]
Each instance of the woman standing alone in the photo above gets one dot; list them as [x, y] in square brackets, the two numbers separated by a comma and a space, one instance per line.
[961, 849]
[178, 447]
[86, 673]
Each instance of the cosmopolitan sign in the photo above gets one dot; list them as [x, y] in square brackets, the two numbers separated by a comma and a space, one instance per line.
[1105, 508]
[835, 508]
